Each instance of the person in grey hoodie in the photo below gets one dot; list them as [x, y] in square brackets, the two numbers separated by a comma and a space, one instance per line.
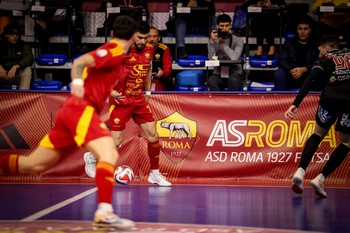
[225, 46]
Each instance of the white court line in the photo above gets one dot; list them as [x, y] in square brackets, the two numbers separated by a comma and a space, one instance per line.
[46, 211]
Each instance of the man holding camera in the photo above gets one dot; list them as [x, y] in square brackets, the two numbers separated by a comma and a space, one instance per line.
[225, 46]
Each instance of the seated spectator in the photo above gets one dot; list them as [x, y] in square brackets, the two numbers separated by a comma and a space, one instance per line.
[16, 58]
[161, 64]
[194, 22]
[226, 46]
[296, 58]
[265, 25]
[55, 21]
[337, 23]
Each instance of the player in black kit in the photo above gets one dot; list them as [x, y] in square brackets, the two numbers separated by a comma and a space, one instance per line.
[334, 106]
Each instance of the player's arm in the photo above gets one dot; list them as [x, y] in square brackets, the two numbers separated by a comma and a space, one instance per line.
[148, 82]
[167, 63]
[314, 76]
[117, 96]
[77, 85]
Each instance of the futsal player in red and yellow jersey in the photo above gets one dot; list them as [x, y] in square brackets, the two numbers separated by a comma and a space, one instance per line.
[78, 123]
[130, 102]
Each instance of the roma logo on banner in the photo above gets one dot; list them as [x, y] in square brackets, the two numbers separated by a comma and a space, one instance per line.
[177, 136]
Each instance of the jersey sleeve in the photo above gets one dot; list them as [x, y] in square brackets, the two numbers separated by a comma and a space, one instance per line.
[108, 55]
[167, 63]
[315, 75]
[150, 50]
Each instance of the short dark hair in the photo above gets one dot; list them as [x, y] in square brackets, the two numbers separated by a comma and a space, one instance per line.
[305, 19]
[223, 18]
[11, 29]
[142, 27]
[332, 41]
[153, 27]
[124, 27]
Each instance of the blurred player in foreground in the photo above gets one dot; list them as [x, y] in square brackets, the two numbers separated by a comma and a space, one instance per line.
[78, 122]
[130, 102]
[333, 68]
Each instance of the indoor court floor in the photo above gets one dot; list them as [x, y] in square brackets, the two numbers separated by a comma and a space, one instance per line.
[187, 208]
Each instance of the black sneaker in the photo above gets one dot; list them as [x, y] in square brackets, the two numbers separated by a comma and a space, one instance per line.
[181, 52]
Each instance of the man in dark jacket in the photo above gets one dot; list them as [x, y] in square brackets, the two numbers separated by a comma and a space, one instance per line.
[296, 58]
[16, 58]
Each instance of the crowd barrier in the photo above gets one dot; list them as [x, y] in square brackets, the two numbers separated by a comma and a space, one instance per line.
[206, 138]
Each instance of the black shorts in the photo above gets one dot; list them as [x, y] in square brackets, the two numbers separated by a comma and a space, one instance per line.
[327, 116]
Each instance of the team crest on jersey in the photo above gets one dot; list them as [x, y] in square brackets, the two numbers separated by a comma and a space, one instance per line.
[157, 56]
[177, 136]
[147, 55]
[116, 120]
[332, 79]
[101, 52]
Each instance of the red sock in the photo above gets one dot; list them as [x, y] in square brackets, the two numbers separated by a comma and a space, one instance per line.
[9, 164]
[153, 153]
[104, 181]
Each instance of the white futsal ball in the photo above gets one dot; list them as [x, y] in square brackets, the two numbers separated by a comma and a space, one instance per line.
[123, 175]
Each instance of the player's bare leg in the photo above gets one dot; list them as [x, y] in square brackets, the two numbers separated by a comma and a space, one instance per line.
[107, 156]
[155, 177]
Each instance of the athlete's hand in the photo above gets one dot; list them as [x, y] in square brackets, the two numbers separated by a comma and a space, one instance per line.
[77, 90]
[147, 98]
[117, 96]
[289, 114]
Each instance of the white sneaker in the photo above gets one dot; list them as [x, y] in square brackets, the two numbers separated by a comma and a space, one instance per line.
[158, 179]
[318, 185]
[90, 164]
[111, 220]
[298, 180]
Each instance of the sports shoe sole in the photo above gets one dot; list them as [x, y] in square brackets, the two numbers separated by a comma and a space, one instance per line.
[317, 191]
[150, 180]
[125, 224]
[297, 189]
[297, 186]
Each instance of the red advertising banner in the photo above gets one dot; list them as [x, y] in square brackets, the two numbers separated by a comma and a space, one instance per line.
[204, 138]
